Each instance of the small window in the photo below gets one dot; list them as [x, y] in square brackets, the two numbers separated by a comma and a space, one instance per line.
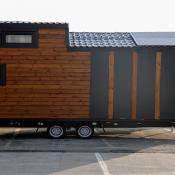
[2, 74]
[18, 38]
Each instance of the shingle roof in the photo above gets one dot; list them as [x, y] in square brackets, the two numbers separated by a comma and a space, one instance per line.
[103, 40]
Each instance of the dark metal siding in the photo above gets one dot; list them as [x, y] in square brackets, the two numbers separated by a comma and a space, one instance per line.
[146, 84]
[168, 85]
[99, 85]
[122, 84]
[2, 74]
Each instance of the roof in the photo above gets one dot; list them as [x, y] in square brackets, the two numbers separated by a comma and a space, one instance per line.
[102, 40]
[120, 39]
[99, 39]
[154, 38]
[26, 24]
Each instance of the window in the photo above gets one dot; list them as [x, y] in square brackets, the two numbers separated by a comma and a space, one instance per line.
[2, 74]
[19, 39]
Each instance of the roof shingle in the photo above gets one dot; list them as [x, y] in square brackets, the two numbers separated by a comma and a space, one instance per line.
[103, 40]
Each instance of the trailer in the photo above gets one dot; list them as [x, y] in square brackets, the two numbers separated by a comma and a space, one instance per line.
[53, 78]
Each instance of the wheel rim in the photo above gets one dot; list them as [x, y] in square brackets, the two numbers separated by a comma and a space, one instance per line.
[84, 131]
[56, 131]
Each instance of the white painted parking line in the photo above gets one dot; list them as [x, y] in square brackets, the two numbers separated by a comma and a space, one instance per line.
[15, 133]
[102, 164]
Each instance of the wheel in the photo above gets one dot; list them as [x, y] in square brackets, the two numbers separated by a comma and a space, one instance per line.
[85, 131]
[56, 131]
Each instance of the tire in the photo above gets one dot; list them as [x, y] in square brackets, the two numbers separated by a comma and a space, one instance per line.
[56, 131]
[85, 131]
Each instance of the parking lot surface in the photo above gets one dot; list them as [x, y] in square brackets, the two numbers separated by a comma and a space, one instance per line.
[86, 164]
[119, 140]
[118, 151]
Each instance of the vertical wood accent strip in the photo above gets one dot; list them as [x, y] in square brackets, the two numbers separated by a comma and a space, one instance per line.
[111, 85]
[157, 85]
[134, 85]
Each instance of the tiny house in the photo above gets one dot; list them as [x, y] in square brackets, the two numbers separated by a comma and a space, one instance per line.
[50, 77]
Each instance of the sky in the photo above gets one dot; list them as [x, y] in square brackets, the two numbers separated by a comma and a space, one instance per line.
[95, 15]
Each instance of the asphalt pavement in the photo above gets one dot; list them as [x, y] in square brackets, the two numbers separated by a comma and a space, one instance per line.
[139, 151]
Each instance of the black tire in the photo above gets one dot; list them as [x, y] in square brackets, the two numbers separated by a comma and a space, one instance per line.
[85, 131]
[56, 131]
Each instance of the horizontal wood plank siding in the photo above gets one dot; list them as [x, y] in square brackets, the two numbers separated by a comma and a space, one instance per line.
[45, 82]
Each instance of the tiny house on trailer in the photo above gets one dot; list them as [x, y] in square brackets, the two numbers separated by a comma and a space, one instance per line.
[50, 77]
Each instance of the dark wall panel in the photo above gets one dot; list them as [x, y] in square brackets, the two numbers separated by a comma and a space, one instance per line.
[2, 74]
[146, 84]
[99, 85]
[122, 84]
[168, 85]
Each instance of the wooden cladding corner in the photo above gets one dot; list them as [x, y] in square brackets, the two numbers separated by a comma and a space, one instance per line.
[134, 85]
[111, 85]
[157, 85]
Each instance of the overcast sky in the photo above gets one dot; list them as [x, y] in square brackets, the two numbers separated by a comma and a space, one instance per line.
[95, 15]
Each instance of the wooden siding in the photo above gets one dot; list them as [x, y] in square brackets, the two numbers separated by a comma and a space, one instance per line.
[111, 85]
[134, 86]
[45, 82]
[157, 85]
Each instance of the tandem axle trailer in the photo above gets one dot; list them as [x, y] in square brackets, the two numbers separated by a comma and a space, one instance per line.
[84, 129]
[53, 78]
